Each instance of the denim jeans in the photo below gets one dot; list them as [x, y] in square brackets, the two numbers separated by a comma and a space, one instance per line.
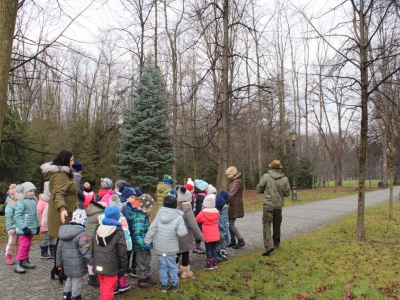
[211, 250]
[167, 264]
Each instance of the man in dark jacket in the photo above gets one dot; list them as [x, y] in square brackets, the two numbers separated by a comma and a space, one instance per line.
[77, 172]
[274, 186]
[109, 251]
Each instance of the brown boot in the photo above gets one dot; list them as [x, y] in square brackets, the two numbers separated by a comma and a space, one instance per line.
[185, 272]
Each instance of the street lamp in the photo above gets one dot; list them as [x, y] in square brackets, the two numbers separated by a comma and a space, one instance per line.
[293, 136]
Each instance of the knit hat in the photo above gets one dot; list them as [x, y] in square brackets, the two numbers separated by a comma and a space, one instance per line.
[91, 182]
[126, 191]
[106, 183]
[22, 189]
[77, 166]
[112, 212]
[211, 190]
[120, 182]
[183, 194]
[201, 184]
[219, 202]
[168, 179]
[169, 201]
[138, 192]
[172, 192]
[79, 217]
[231, 171]
[209, 201]
[44, 197]
[114, 201]
[276, 164]
[189, 187]
[224, 194]
[146, 202]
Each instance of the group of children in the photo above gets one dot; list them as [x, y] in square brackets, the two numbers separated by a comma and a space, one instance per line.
[114, 229]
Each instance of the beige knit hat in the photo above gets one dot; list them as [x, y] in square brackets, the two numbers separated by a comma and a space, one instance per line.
[231, 171]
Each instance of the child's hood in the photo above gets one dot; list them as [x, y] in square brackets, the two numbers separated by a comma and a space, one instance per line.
[167, 215]
[104, 231]
[68, 232]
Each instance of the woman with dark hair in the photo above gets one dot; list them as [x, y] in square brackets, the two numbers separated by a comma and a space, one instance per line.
[64, 196]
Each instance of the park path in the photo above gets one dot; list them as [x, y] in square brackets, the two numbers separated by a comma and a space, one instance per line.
[297, 220]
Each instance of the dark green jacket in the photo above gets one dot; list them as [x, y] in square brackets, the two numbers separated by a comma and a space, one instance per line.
[274, 186]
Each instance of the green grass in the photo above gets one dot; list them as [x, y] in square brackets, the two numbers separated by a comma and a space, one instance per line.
[326, 264]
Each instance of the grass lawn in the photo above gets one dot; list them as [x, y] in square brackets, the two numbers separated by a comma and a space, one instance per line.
[326, 264]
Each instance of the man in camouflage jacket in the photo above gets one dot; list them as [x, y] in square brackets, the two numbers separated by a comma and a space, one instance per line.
[274, 186]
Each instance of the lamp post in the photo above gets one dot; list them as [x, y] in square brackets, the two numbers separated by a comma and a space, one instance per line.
[293, 136]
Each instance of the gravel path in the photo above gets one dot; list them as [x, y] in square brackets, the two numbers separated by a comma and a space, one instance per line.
[297, 220]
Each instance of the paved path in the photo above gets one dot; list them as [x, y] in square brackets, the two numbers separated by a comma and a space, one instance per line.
[297, 220]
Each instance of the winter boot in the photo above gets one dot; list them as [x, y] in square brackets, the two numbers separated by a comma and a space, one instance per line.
[27, 265]
[133, 273]
[142, 283]
[209, 265]
[175, 287]
[44, 252]
[197, 249]
[92, 281]
[52, 251]
[66, 295]
[223, 254]
[19, 268]
[79, 297]
[9, 260]
[123, 285]
[231, 243]
[215, 262]
[185, 272]
[239, 244]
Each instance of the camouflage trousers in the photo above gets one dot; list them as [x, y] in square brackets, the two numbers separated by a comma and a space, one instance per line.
[272, 217]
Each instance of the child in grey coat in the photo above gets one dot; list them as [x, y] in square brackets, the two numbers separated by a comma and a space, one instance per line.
[73, 254]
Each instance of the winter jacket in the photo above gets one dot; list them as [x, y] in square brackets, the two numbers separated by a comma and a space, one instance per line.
[10, 215]
[109, 250]
[93, 212]
[104, 196]
[140, 225]
[208, 218]
[274, 186]
[186, 242]
[79, 188]
[26, 216]
[41, 206]
[223, 221]
[89, 197]
[168, 225]
[162, 190]
[73, 250]
[3, 208]
[126, 212]
[235, 191]
[198, 199]
[63, 196]
[125, 228]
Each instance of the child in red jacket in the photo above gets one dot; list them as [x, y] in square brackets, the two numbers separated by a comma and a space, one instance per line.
[208, 218]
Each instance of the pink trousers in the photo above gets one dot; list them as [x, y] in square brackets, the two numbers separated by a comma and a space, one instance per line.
[25, 242]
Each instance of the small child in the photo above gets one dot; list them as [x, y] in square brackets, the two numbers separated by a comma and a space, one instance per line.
[208, 218]
[12, 186]
[186, 242]
[27, 223]
[106, 191]
[88, 192]
[199, 193]
[13, 238]
[168, 225]
[48, 241]
[223, 223]
[140, 224]
[163, 188]
[109, 252]
[73, 253]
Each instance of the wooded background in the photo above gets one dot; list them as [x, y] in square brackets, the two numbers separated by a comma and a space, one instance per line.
[239, 76]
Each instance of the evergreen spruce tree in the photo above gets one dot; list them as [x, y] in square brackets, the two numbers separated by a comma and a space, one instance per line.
[145, 149]
[305, 172]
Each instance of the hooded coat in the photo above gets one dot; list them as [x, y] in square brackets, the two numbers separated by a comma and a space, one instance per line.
[168, 224]
[162, 190]
[93, 212]
[64, 195]
[274, 186]
[73, 250]
[26, 216]
[186, 241]
[208, 218]
[235, 191]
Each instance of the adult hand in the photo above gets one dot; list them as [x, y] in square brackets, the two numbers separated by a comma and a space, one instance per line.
[63, 214]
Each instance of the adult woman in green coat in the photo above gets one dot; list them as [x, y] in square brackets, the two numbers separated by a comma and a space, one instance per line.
[64, 195]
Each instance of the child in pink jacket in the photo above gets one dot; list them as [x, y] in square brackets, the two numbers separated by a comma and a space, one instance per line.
[48, 241]
[208, 218]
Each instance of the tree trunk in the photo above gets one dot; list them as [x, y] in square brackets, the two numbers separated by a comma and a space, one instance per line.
[8, 16]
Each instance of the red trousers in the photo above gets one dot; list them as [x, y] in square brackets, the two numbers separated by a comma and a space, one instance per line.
[107, 286]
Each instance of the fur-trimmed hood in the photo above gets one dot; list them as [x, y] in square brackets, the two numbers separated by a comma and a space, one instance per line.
[49, 168]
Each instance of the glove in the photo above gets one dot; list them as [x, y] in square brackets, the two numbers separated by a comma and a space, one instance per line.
[27, 231]
[148, 247]
[37, 230]
[10, 231]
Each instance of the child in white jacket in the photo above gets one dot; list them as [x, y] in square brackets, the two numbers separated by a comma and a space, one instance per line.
[168, 225]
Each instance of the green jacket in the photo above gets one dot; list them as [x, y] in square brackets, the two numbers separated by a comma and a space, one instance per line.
[275, 186]
[162, 190]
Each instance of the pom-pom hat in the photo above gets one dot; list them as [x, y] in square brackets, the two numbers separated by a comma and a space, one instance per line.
[183, 194]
